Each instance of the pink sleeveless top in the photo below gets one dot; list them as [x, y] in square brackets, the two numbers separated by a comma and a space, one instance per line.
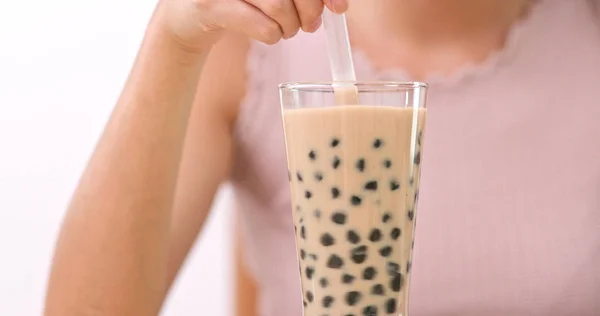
[509, 214]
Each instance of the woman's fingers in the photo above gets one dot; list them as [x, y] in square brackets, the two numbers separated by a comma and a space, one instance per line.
[337, 6]
[281, 11]
[309, 12]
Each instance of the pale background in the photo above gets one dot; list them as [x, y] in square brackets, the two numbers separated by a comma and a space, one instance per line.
[62, 66]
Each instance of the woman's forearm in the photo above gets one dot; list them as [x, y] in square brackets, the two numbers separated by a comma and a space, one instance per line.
[111, 255]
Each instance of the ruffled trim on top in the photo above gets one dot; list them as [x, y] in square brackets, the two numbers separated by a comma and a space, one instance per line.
[491, 64]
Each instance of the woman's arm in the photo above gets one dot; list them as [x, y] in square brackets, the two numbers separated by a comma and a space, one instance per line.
[111, 256]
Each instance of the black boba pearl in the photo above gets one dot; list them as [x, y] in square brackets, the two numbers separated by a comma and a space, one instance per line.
[335, 192]
[299, 176]
[302, 254]
[417, 159]
[323, 282]
[390, 306]
[327, 240]
[308, 195]
[370, 310]
[304, 303]
[335, 262]
[318, 176]
[392, 268]
[395, 234]
[386, 217]
[377, 143]
[312, 155]
[335, 142]
[369, 273]
[336, 162]
[394, 185]
[359, 254]
[309, 296]
[371, 186]
[387, 163]
[360, 165]
[375, 235]
[309, 272]
[411, 215]
[378, 289]
[355, 200]
[347, 278]
[353, 237]
[396, 282]
[339, 218]
[302, 232]
[352, 298]
[327, 301]
[385, 251]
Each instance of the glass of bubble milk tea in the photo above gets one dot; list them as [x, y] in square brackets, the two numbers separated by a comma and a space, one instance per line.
[354, 176]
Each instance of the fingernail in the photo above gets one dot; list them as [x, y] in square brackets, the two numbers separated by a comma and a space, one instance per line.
[315, 25]
[339, 6]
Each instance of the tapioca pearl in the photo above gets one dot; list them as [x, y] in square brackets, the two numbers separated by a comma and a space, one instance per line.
[353, 297]
[360, 165]
[318, 176]
[385, 251]
[335, 262]
[323, 282]
[335, 193]
[416, 195]
[394, 185]
[377, 143]
[328, 301]
[359, 254]
[301, 220]
[369, 273]
[312, 155]
[392, 268]
[386, 217]
[336, 162]
[309, 296]
[305, 303]
[395, 233]
[370, 310]
[327, 240]
[390, 306]
[375, 235]
[410, 214]
[353, 237]
[355, 200]
[310, 271]
[417, 159]
[308, 195]
[347, 278]
[408, 266]
[371, 186]
[302, 232]
[334, 142]
[317, 213]
[378, 289]
[299, 176]
[339, 218]
[302, 254]
[313, 256]
[387, 163]
[396, 282]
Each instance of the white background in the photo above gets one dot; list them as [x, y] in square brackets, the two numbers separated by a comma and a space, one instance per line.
[62, 66]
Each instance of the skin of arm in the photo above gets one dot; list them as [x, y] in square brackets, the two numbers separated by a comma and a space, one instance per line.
[148, 186]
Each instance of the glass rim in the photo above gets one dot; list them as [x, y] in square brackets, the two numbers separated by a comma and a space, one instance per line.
[362, 86]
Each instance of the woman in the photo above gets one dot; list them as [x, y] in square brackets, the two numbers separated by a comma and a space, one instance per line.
[509, 218]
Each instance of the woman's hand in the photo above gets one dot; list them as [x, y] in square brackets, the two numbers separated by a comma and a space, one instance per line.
[267, 21]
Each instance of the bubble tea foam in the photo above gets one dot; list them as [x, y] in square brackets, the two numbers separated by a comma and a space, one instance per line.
[354, 176]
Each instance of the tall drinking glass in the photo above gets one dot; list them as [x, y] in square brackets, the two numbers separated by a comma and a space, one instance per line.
[354, 177]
